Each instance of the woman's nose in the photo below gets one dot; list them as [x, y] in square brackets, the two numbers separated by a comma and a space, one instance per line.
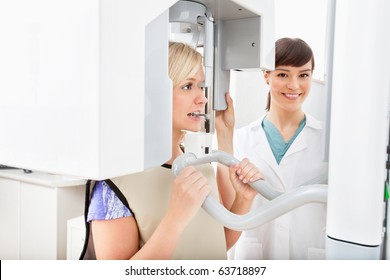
[293, 83]
[201, 97]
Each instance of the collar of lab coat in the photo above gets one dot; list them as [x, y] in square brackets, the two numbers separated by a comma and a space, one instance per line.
[300, 143]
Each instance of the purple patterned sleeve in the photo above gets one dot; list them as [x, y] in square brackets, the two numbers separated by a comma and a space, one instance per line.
[105, 204]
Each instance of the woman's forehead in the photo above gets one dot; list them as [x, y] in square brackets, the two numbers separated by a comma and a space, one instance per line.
[289, 68]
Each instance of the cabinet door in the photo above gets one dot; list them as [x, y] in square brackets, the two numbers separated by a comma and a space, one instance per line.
[9, 219]
[44, 215]
[38, 222]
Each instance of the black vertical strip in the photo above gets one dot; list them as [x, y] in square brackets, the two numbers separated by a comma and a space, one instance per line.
[87, 225]
[386, 239]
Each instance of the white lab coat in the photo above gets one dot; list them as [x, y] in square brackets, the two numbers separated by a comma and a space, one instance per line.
[299, 234]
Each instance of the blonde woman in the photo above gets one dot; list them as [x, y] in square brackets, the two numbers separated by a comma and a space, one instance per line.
[155, 215]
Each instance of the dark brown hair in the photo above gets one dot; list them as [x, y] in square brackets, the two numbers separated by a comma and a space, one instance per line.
[291, 52]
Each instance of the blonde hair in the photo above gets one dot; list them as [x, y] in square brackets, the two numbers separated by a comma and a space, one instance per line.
[184, 62]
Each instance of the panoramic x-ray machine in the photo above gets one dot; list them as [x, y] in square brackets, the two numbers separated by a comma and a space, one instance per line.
[238, 45]
[358, 204]
[84, 92]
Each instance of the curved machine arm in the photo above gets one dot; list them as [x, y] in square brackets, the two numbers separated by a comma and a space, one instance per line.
[261, 186]
[279, 204]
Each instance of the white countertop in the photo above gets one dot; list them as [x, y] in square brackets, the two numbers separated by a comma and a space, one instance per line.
[41, 178]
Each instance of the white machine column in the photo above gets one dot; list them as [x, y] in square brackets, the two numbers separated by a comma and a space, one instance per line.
[358, 131]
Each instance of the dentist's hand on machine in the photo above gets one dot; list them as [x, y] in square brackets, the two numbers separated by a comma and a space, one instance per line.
[224, 126]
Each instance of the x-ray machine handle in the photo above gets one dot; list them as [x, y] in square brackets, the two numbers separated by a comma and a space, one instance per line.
[279, 203]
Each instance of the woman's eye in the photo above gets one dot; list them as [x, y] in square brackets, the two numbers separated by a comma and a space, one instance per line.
[187, 87]
[282, 75]
[305, 75]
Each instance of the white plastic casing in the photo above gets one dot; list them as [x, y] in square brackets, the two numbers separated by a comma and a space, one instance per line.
[72, 86]
[359, 127]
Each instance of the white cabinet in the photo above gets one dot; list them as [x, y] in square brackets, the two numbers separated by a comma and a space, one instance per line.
[34, 209]
[9, 219]
[75, 238]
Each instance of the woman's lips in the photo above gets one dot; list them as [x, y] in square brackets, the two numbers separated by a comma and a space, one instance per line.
[292, 96]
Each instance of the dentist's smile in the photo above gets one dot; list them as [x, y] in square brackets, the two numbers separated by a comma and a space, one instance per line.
[292, 96]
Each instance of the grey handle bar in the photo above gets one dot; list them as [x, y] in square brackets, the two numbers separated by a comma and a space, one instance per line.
[261, 186]
[279, 203]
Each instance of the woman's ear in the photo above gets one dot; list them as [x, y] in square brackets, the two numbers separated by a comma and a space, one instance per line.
[266, 77]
